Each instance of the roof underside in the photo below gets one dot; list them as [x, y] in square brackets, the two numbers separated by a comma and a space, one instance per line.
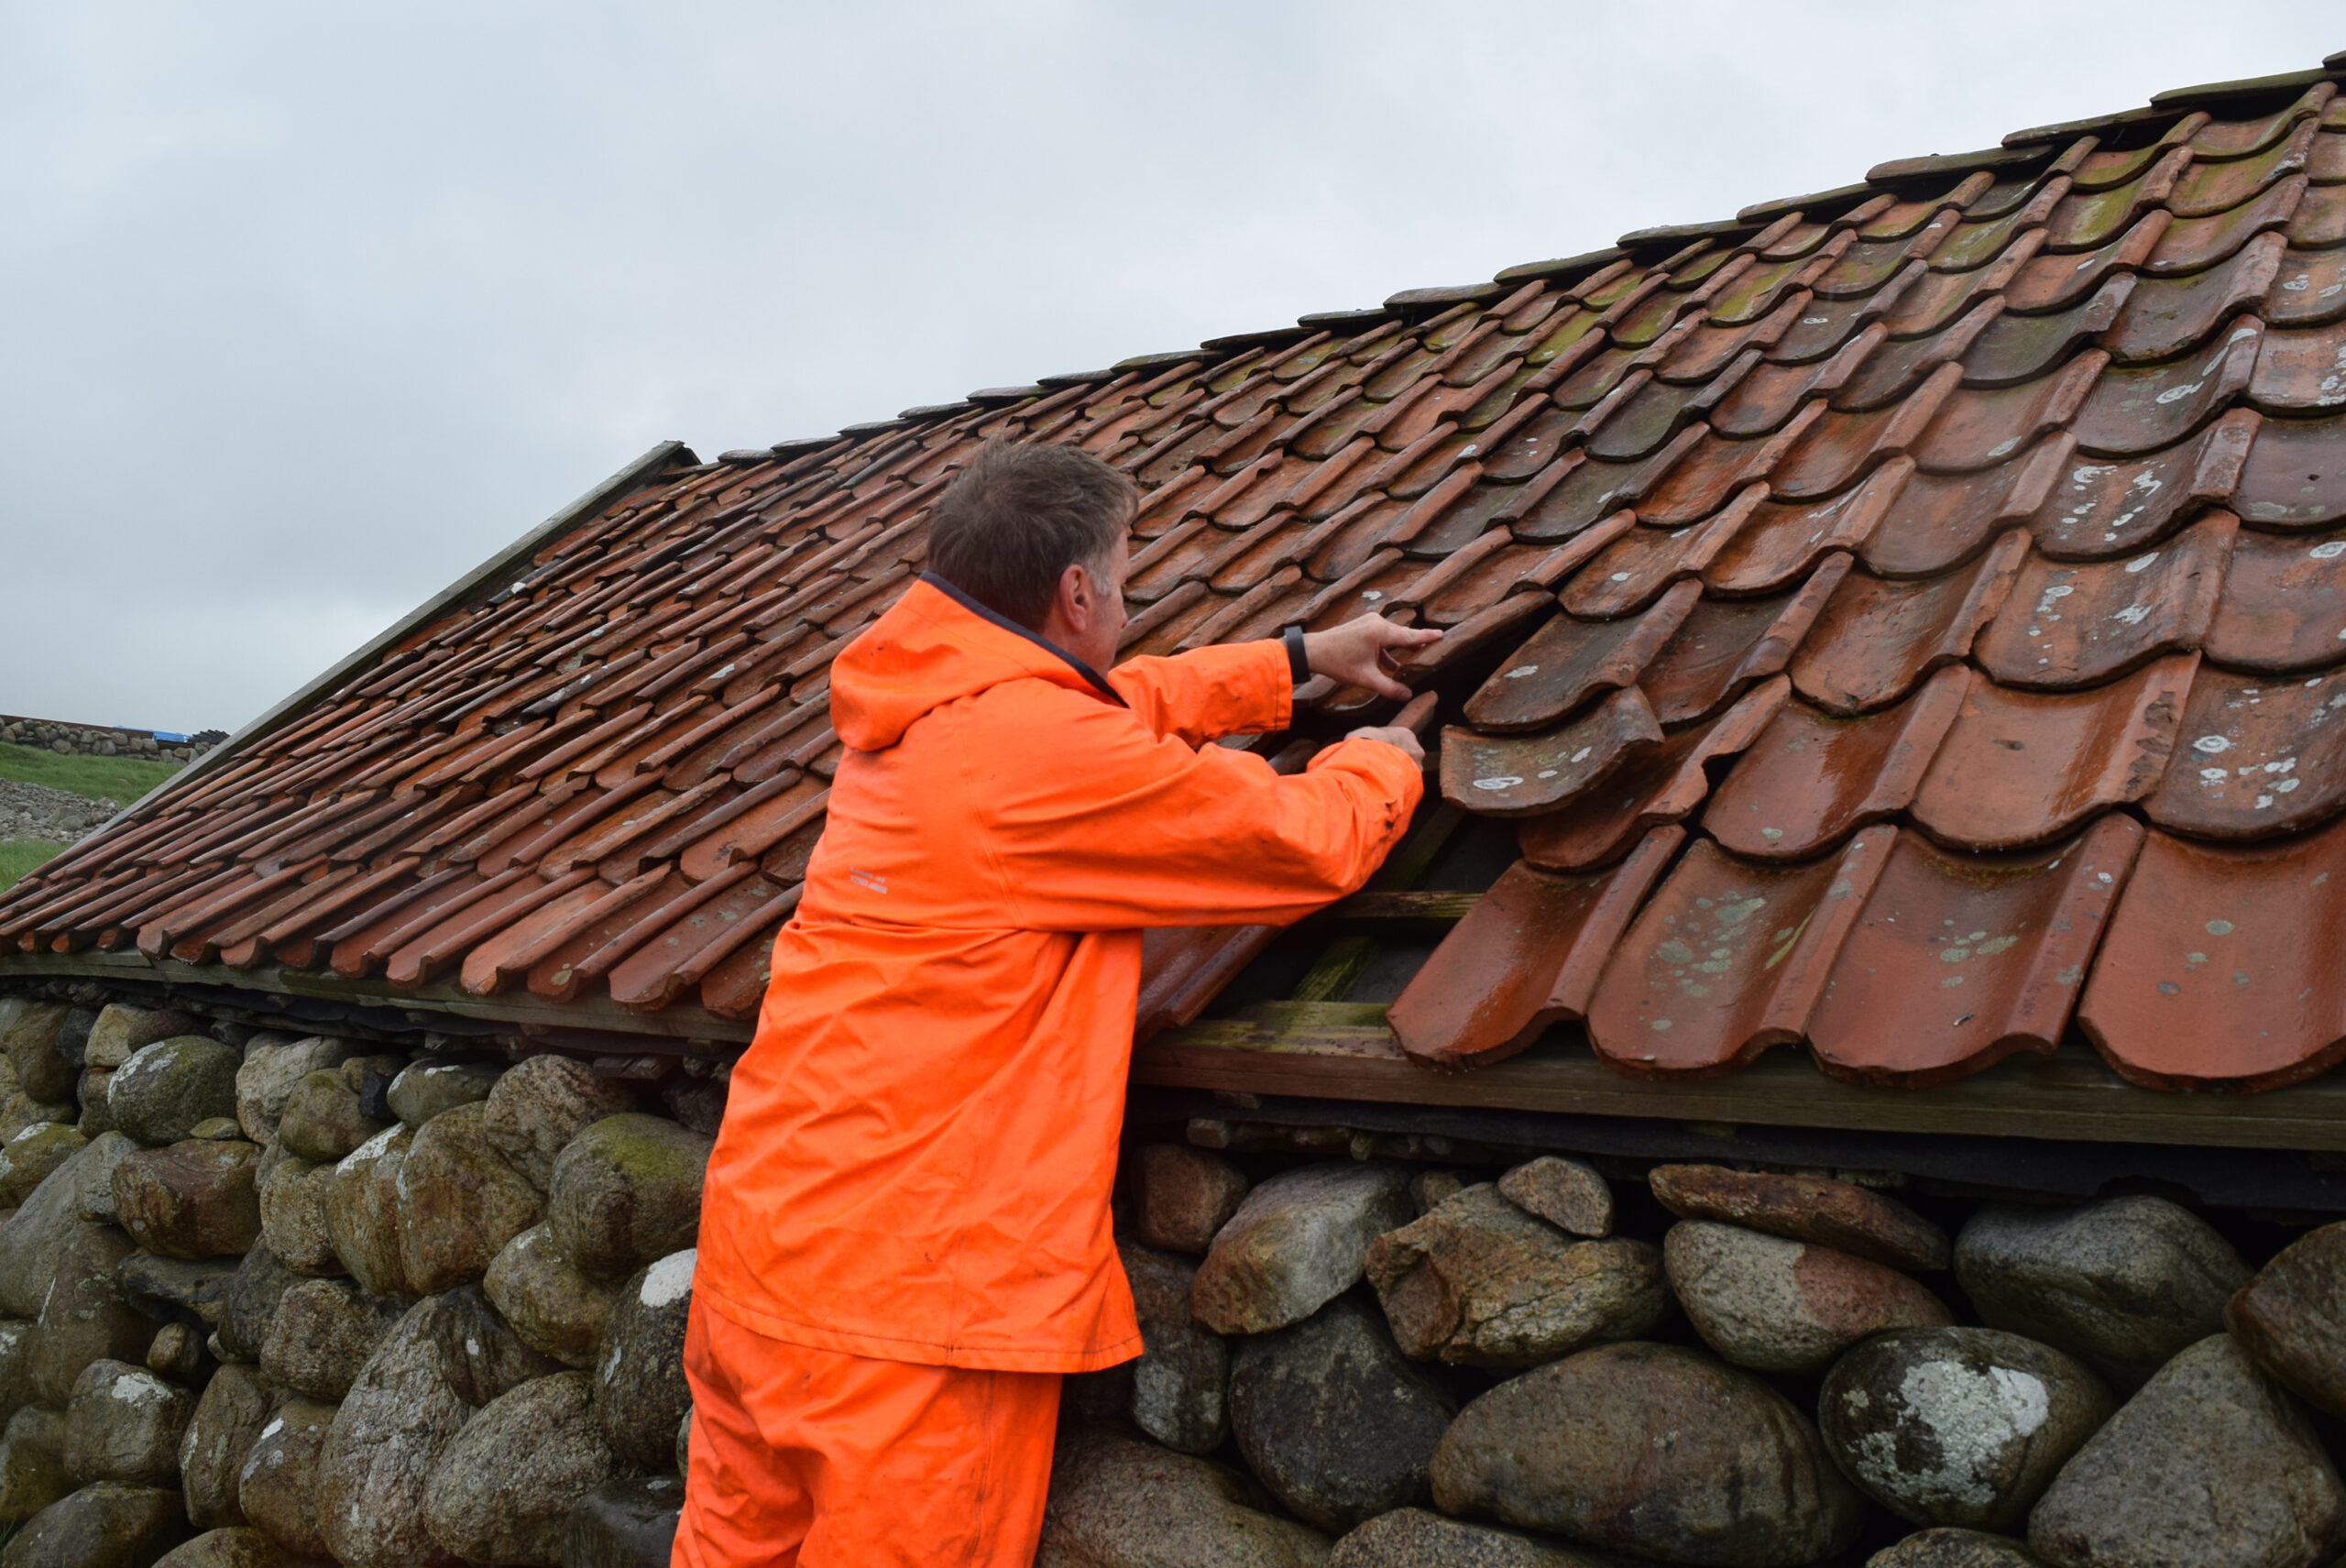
[1907, 620]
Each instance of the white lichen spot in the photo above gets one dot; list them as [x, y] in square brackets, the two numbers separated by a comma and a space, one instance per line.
[2213, 745]
[668, 1279]
[1660, 1025]
[1498, 781]
[2141, 564]
[139, 1388]
[374, 1149]
[1519, 672]
[1971, 1417]
[2219, 927]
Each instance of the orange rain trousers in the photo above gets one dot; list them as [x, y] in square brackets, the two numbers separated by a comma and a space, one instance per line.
[810, 1459]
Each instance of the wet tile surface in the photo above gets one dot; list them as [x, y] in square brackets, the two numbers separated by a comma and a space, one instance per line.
[1900, 568]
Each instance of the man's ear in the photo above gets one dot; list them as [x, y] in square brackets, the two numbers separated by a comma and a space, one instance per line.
[1077, 601]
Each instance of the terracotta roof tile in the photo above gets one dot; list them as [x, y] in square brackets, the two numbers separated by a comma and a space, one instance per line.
[1729, 958]
[1811, 777]
[2216, 971]
[2022, 768]
[2072, 624]
[1976, 957]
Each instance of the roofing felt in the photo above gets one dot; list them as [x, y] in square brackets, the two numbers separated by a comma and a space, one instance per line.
[1908, 621]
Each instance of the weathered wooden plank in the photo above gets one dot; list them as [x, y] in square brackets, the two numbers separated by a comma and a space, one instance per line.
[1343, 1052]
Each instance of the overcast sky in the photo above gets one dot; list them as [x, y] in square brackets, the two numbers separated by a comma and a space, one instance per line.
[310, 308]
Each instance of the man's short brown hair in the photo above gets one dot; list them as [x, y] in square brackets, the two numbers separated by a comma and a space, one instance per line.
[1017, 517]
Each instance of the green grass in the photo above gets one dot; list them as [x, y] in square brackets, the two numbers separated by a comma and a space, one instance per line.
[18, 856]
[119, 779]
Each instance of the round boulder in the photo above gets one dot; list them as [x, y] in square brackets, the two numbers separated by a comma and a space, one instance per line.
[380, 1450]
[1957, 1426]
[1414, 1538]
[538, 1106]
[460, 1201]
[2291, 1317]
[1777, 1305]
[324, 1118]
[293, 1216]
[362, 1210]
[34, 1237]
[2122, 1285]
[1654, 1450]
[273, 1065]
[1186, 1195]
[2210, 1463]
[228, 1417]
[195, 1199]
[120, 1029]
[28, 1158]
[1567, 1194]
[86, 1317]
[639, 1390]
[1332, 1418]
[1114, 1501]
[480, 1355]
[1180, 1385]
[624, 1524]
[1476, 1281]
[277, 1487]
[165, 1088]
[1838, 1214]
[123, 1423]
[504, 1489]
[627, 1190]
[250, 1304]
[555, 1308]
[110, 1524]
[32, 1463]
[233, 1547]
[424, 1090]
[1297, 1241]
[323, 1335]
[28, 1039]
[1955, 1549]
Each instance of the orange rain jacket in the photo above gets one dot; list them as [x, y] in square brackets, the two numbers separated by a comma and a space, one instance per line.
[918, 1146]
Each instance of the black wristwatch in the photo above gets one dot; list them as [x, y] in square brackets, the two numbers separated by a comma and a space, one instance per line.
[1298, 662]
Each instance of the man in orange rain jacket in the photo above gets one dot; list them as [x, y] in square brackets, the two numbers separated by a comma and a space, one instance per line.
[905, 1238]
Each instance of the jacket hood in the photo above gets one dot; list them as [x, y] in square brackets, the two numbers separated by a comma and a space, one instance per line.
[934, 646]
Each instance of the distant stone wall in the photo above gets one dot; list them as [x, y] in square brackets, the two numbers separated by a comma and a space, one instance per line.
[271, 1297]
[102, 741]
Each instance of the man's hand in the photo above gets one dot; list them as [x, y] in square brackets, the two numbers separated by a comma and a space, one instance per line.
[1393, 735]
[1360, 652]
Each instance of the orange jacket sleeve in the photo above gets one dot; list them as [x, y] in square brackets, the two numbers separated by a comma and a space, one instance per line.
[1127, 829]
[1207, 693]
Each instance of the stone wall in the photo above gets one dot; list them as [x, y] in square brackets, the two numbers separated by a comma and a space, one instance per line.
[270, 1298]
[103, 740]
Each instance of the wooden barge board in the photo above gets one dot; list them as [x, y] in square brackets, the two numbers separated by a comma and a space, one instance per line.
[1343, 1051]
